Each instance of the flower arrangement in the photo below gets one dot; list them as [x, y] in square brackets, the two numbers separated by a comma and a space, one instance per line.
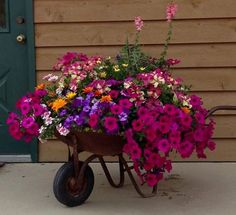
[133, 95]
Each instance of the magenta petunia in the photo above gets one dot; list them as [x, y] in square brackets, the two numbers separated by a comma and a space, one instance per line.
[116, 109]
[25, 108]
[170, 109]
[168, 165]
[151, 179]
[185, 149]
[110, 123]
[186, 120]
[211, 145]
[125, 103]
[12, 117]
[93, 120]
[137, 125]
[38, 109]
[135, 152]
[164, 145]
[27, 122]
[114, 94]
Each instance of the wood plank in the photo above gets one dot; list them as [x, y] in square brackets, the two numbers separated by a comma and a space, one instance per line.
[120, 10]
[85, 34]
[198, 55]
[202, 79]
[57, 152]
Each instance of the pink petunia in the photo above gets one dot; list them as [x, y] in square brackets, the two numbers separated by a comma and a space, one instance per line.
[116, 109]
[168, 166]
[93, 120]
[151, 179]
[170, 109]
[110, 123]
[186, 120]
[211, 145]
[114, 94]
[135, 152]
[137, 125]
[27, 122]
[25, 108]
[164, 145]
[125, 103]
[38, 109]
[185, 149]
[12, 117]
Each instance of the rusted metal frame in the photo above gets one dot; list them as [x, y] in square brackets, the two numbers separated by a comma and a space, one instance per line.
[137, 188]
[108, 175]
[217, 108]
[83, 168]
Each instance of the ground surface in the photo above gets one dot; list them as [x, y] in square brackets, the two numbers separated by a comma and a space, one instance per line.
[192, 188]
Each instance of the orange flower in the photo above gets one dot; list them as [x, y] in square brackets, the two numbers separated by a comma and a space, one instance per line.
[87, 89]
[185, 110]
[106, 98]
[58, 103]
[40, 87]
[97, 93]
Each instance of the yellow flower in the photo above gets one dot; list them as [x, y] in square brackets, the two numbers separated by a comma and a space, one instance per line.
[99, 62]
[70, 95]
[106, 98]
[116, 68]
[125, 64]
[103, 74]
[58, 103]
[142, 68]
[109, 58]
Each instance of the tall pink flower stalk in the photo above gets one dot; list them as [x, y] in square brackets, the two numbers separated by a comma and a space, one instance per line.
[138, 23]
[171, 10]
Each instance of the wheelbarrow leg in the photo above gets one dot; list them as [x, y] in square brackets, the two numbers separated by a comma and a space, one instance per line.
[108, 175]
[137, 188]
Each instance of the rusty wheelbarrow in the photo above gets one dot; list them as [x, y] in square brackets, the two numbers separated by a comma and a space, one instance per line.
[74, 181]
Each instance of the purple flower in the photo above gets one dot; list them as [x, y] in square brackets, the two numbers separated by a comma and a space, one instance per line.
[86, 109]
[78, 102]
[123, 117]
[78, 120]
[68, 122]
[63, 113]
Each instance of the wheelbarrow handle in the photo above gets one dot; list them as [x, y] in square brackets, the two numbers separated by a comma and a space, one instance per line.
[217, 108]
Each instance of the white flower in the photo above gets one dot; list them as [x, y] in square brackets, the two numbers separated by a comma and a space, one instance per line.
[48, 121]
[53, 78]
[46, 77]
[62, 130]
[46, 115]
[42, 129]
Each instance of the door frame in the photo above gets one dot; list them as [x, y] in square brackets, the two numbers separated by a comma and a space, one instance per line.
[29, 7]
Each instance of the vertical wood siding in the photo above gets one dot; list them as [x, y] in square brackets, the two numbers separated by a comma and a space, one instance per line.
[204, 39]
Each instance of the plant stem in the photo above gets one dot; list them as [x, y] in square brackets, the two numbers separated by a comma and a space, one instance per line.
[164, 52]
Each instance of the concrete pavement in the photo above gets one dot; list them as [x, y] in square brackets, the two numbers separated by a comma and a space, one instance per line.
[191, 189]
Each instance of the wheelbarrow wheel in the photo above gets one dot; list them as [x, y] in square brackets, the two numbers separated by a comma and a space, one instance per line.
[66, 189]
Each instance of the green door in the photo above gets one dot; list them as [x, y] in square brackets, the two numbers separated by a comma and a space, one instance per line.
[17, 72]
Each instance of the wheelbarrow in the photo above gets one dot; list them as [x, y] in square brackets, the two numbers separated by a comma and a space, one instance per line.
[74, 181]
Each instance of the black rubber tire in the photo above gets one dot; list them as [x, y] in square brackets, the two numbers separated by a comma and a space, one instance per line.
[60, 185]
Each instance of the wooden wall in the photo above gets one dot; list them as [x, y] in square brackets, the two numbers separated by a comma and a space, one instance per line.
[204, 39]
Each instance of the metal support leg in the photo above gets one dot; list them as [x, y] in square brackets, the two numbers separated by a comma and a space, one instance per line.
[108, 175]
[137, 188]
